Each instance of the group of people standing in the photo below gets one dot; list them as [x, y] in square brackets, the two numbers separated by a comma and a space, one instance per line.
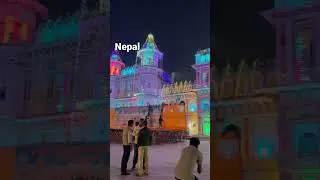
[137, 136]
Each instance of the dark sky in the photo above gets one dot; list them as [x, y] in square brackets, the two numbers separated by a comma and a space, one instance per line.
[180, 28]
[61, 7]
[239, 31]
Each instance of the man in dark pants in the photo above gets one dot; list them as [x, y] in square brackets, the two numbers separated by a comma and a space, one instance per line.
[127, 143]
[144, 141]
[136, 130]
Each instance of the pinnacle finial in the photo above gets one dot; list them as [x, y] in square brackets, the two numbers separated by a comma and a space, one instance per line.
[150, 38]
[150, 42]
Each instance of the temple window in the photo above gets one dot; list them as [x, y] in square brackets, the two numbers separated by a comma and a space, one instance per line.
[205, 107]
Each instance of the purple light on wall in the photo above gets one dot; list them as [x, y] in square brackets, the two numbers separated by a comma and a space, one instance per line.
[166, 77]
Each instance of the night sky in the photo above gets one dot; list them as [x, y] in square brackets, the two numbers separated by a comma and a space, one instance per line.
[239, 31]
[181, 27]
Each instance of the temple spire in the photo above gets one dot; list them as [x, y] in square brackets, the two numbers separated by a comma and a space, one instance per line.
[149, 54]
[150, 43]
[115, 56]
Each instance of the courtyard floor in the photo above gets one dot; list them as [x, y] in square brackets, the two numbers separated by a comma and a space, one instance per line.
[162, 161]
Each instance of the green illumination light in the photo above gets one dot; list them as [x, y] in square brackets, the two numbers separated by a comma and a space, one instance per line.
[289, 3]
[128, 71]
[309, 178]
[202, 58]
[309, 171]
[206, 126]
[60, 30]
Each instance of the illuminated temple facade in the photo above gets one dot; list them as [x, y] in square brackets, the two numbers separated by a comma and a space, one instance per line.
[272, 114]
[146, 83]
[39, 82]
[52, 93]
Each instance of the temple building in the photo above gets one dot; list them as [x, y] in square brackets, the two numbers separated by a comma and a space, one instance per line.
[266, 123]
[147, 83]
[52, 93]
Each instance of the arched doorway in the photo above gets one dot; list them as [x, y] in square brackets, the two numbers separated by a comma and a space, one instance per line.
[230, 139]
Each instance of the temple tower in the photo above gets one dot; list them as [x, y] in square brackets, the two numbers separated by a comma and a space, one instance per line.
[116, 66]
[202, 86]
[297, 24]
[297, 45]
[149, 71]
[149, 55]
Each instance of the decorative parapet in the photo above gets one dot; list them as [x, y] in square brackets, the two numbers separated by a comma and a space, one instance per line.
[66, 28]
[232, 84]
[247, 81]
[177, 88]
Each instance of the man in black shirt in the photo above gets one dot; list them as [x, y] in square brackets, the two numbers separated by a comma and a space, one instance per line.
[144, 141]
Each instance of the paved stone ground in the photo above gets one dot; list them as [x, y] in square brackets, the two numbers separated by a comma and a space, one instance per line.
[162, 161]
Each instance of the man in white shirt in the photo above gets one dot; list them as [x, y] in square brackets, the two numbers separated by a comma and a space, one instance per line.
[127, 145]
[189, 158]
[136, 130]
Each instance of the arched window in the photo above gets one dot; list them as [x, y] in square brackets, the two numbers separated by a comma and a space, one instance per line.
[182, 106]
[229, 141]
[205, 106]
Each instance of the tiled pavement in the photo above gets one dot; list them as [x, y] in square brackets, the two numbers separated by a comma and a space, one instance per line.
[162, 160]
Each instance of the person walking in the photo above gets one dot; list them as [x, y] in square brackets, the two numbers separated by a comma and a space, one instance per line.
[189, 158]
[144, 141]
[136, 130]
[127, 145]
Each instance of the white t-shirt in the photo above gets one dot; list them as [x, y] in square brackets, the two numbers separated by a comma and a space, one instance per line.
[189, 158]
